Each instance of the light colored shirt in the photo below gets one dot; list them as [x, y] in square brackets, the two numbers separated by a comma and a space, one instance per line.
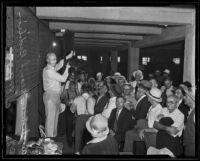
[108, 108]
[80, 104]
[152, 114]
[52, 79]
[177, 117]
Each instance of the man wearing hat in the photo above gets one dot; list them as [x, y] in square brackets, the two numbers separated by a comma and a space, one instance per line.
[101, 143]
[142, 105]
[98, 82]
[149, 133]
[166, 73]
[114, 91]
[138, 75]
[139, 113]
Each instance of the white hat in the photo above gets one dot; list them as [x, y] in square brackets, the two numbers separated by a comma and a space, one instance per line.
[99, 73]
[117, 74]
[100, 122]
[164, 151]
[167, 71]
[155, 94]
[139, 72]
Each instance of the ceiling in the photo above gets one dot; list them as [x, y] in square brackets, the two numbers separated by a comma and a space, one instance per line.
[112, 26]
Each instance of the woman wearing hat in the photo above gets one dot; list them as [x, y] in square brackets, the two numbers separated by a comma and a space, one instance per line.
[138, 75]
[101, 143]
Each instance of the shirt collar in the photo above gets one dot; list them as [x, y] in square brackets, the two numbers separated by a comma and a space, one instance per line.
[50, 67]
[141, 98]
[85, 95]
[96, 140]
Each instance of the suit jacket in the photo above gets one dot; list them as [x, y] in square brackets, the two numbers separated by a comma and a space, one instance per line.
[185, 110]
[142, 109]
[99, 106]
[124, 123]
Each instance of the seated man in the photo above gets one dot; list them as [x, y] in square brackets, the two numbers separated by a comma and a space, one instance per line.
[120, 121]
[101, 143]
[169, 135]
[137, 134]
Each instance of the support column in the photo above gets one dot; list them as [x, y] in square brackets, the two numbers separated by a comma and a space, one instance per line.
[114, 54]
[133, 60]
[105, 63]
[189, 55]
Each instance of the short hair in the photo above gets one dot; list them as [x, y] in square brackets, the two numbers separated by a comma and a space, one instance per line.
[121, 97]
[86, 87]
[182, 90]
[187, 84]
[49, 54]
[168, 79]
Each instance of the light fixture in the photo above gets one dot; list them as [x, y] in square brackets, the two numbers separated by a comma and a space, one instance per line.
[54, 44]
[62, 30]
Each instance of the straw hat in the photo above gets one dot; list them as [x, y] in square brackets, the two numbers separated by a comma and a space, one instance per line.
[117, 74]
[138, 72]
[97, 125]
[167, 71]
[99, 74]
[155, 94]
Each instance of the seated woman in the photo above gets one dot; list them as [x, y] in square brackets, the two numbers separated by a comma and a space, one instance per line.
[101, 143]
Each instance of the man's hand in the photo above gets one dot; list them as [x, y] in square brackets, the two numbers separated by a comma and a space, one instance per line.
[160, 116]
[61, 63]
[141, 134]
[172, 130]
[68, 66]
[70, 55]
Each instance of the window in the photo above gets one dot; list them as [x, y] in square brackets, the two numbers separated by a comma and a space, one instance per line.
[82, 57]
[145, 60]
[118, 59]
[176, 60]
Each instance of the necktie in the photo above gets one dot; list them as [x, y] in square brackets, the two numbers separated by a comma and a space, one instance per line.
[116, 119]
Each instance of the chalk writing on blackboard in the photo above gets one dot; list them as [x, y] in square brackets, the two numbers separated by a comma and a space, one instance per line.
[22, 33]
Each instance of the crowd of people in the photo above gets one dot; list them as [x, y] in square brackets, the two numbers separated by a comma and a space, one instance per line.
[111, 115]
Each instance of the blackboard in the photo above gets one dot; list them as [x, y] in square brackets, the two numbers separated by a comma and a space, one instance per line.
[27, 57]
[10, 84]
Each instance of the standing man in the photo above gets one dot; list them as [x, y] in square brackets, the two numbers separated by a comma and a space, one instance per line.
[83, 107]
[52, 87]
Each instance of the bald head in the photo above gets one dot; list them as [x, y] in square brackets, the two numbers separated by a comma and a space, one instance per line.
[51, 59]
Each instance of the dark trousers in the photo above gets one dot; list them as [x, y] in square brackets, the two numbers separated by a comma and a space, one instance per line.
[66, 125]
[79, 131]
